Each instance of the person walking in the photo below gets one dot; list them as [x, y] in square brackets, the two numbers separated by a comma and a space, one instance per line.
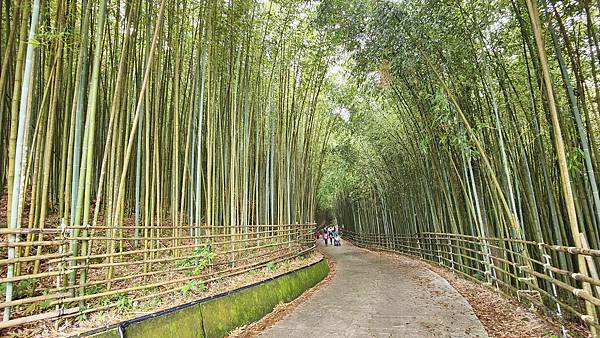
[325, 236]
[334, 236]
[337, 240]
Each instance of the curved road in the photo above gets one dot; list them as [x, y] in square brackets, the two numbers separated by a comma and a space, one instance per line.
[377, 296]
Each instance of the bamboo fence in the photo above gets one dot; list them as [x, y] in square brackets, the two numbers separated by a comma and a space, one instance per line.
[523, 269]
[54, 283]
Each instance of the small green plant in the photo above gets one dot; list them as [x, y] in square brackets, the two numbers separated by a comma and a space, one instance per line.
[23, 289]
[186, 288]
[271, 266]
[45, 304]
[184, 263]
[203, 257]
[104, 301]
[124, 302]
[151, 304]
[196, 271]
[32, 308]
[94, 289]
[81, 317]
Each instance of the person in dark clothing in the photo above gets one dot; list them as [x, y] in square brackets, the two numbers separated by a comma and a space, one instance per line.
[331, 234]
[337, 240]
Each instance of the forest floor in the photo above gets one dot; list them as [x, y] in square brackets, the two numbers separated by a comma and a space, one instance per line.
[76, 325]
[130, 272]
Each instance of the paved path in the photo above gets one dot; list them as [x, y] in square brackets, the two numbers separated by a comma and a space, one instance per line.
[377, 296]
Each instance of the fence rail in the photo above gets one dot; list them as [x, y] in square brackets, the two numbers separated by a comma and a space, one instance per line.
[539, 273]
[69, 271]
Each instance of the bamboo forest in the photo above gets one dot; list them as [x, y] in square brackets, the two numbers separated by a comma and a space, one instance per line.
[163, 155]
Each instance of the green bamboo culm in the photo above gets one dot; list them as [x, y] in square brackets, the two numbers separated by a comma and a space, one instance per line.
[467, 135]
[140, 136]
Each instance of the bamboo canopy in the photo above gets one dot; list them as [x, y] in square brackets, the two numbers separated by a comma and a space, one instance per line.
[470, 128]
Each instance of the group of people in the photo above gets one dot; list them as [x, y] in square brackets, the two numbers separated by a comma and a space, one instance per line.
[331, 235]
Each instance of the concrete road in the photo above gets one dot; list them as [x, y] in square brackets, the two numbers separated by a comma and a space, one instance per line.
[377, 296]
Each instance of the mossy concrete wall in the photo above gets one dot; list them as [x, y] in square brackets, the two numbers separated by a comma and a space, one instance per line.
[218, 315]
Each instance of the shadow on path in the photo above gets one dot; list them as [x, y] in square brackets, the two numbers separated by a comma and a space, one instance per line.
[376, 296]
